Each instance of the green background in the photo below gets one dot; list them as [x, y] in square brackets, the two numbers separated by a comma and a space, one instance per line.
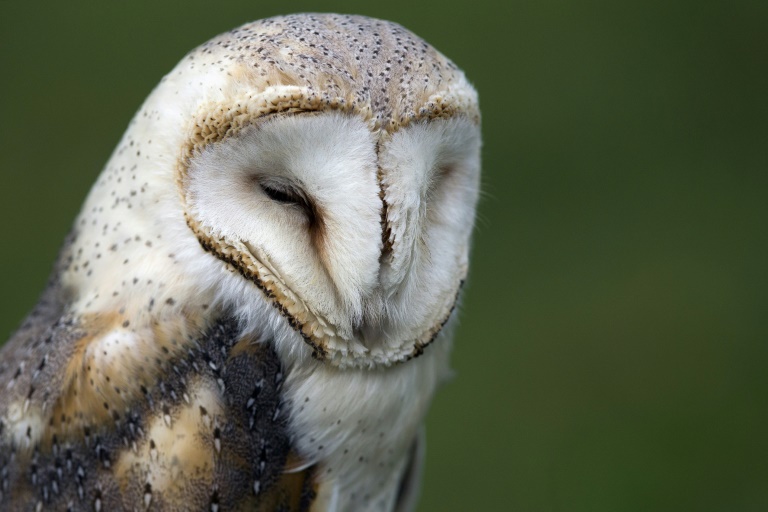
[612, 352]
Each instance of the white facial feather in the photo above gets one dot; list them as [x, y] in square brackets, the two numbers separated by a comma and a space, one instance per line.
[431, 185]
[329, 159]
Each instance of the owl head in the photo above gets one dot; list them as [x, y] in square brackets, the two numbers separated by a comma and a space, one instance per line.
[316, 175]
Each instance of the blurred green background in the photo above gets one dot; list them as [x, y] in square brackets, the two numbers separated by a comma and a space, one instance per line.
[612, 353]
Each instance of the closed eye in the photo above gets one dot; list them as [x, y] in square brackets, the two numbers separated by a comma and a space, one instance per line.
[288, 195]
[280, 195]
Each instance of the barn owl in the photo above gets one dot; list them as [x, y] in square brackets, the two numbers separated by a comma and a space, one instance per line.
[253, 308]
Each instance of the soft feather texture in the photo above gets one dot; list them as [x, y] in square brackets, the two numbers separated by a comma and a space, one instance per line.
[378, 136]
[331, 159]
[429, 186]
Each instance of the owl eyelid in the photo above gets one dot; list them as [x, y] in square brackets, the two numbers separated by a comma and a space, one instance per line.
[278, 195]
[285, 194]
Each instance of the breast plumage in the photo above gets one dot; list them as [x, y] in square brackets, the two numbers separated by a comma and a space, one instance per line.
[253, 309]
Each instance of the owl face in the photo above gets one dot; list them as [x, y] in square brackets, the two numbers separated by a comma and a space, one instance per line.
[327, 165]
[359, 237]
